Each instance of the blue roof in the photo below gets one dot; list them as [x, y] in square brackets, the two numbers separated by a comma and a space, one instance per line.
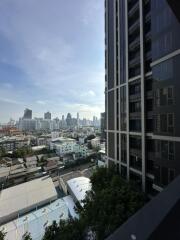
[36, 221]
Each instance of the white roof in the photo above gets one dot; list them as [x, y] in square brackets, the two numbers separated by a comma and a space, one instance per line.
[79, 186]
[31, 159]
[36, 148]
[23, 197]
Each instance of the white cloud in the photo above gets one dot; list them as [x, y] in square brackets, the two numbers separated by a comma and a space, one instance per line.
[91, 93]
[12, 101]
[40, 102]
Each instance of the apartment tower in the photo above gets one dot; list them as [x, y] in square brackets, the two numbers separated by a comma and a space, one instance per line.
[142, 90]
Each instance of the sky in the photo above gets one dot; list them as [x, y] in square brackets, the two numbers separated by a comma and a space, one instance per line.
[51, 57]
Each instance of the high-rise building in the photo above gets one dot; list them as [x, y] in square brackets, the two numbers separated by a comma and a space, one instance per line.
[27, 114]
[27, 124]
[78, 120]
[142, 90]
[47, 115]
[69, 120]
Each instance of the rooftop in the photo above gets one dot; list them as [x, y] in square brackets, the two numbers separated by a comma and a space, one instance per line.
[62, 140]
[36, 221]
[79, 186]
[21, 198]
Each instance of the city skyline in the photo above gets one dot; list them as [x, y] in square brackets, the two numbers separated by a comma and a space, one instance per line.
[49, 63]
[53, 117]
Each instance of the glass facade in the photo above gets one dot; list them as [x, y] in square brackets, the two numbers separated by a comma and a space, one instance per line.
[110, 24]
[122, 43]
[147, 120]
[123, 112]
[165, 29]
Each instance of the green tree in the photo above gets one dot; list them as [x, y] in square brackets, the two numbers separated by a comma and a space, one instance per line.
[2, 152]
[27, 236]
[22, 152]
[2, 235]
[109, 204]
[51, 231]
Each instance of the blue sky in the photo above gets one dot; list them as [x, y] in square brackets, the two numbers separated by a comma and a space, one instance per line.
[51, 57]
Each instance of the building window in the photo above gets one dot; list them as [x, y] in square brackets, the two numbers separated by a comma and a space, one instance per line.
[171, 151]
[165, 150]
[123, 148]
[135, 142]
[135, 162]
[135, 107]
[163, 122]
[170, 96]
[171, 174]
[117, 149]
[123, 107]
[123, 172]
[135, 125]
[170, 122]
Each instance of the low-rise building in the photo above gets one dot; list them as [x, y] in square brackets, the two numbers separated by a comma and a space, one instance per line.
[63, 145]
[13, 143]
[31, 162]
[95, 143]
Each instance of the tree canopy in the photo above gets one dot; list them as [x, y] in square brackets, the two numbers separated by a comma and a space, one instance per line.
[110, 203]
[22, 152]
[2, 235]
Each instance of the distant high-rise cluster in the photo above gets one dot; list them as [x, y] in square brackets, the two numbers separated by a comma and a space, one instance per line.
[27, 123]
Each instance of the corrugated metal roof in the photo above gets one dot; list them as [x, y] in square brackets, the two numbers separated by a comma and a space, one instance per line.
[22, 197]
[79, 186]
[36, 221]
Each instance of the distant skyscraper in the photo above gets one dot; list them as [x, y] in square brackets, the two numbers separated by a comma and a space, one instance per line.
[77, 119]
[27, 114]
[69, 120]
[47, 115]
[26, 124]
